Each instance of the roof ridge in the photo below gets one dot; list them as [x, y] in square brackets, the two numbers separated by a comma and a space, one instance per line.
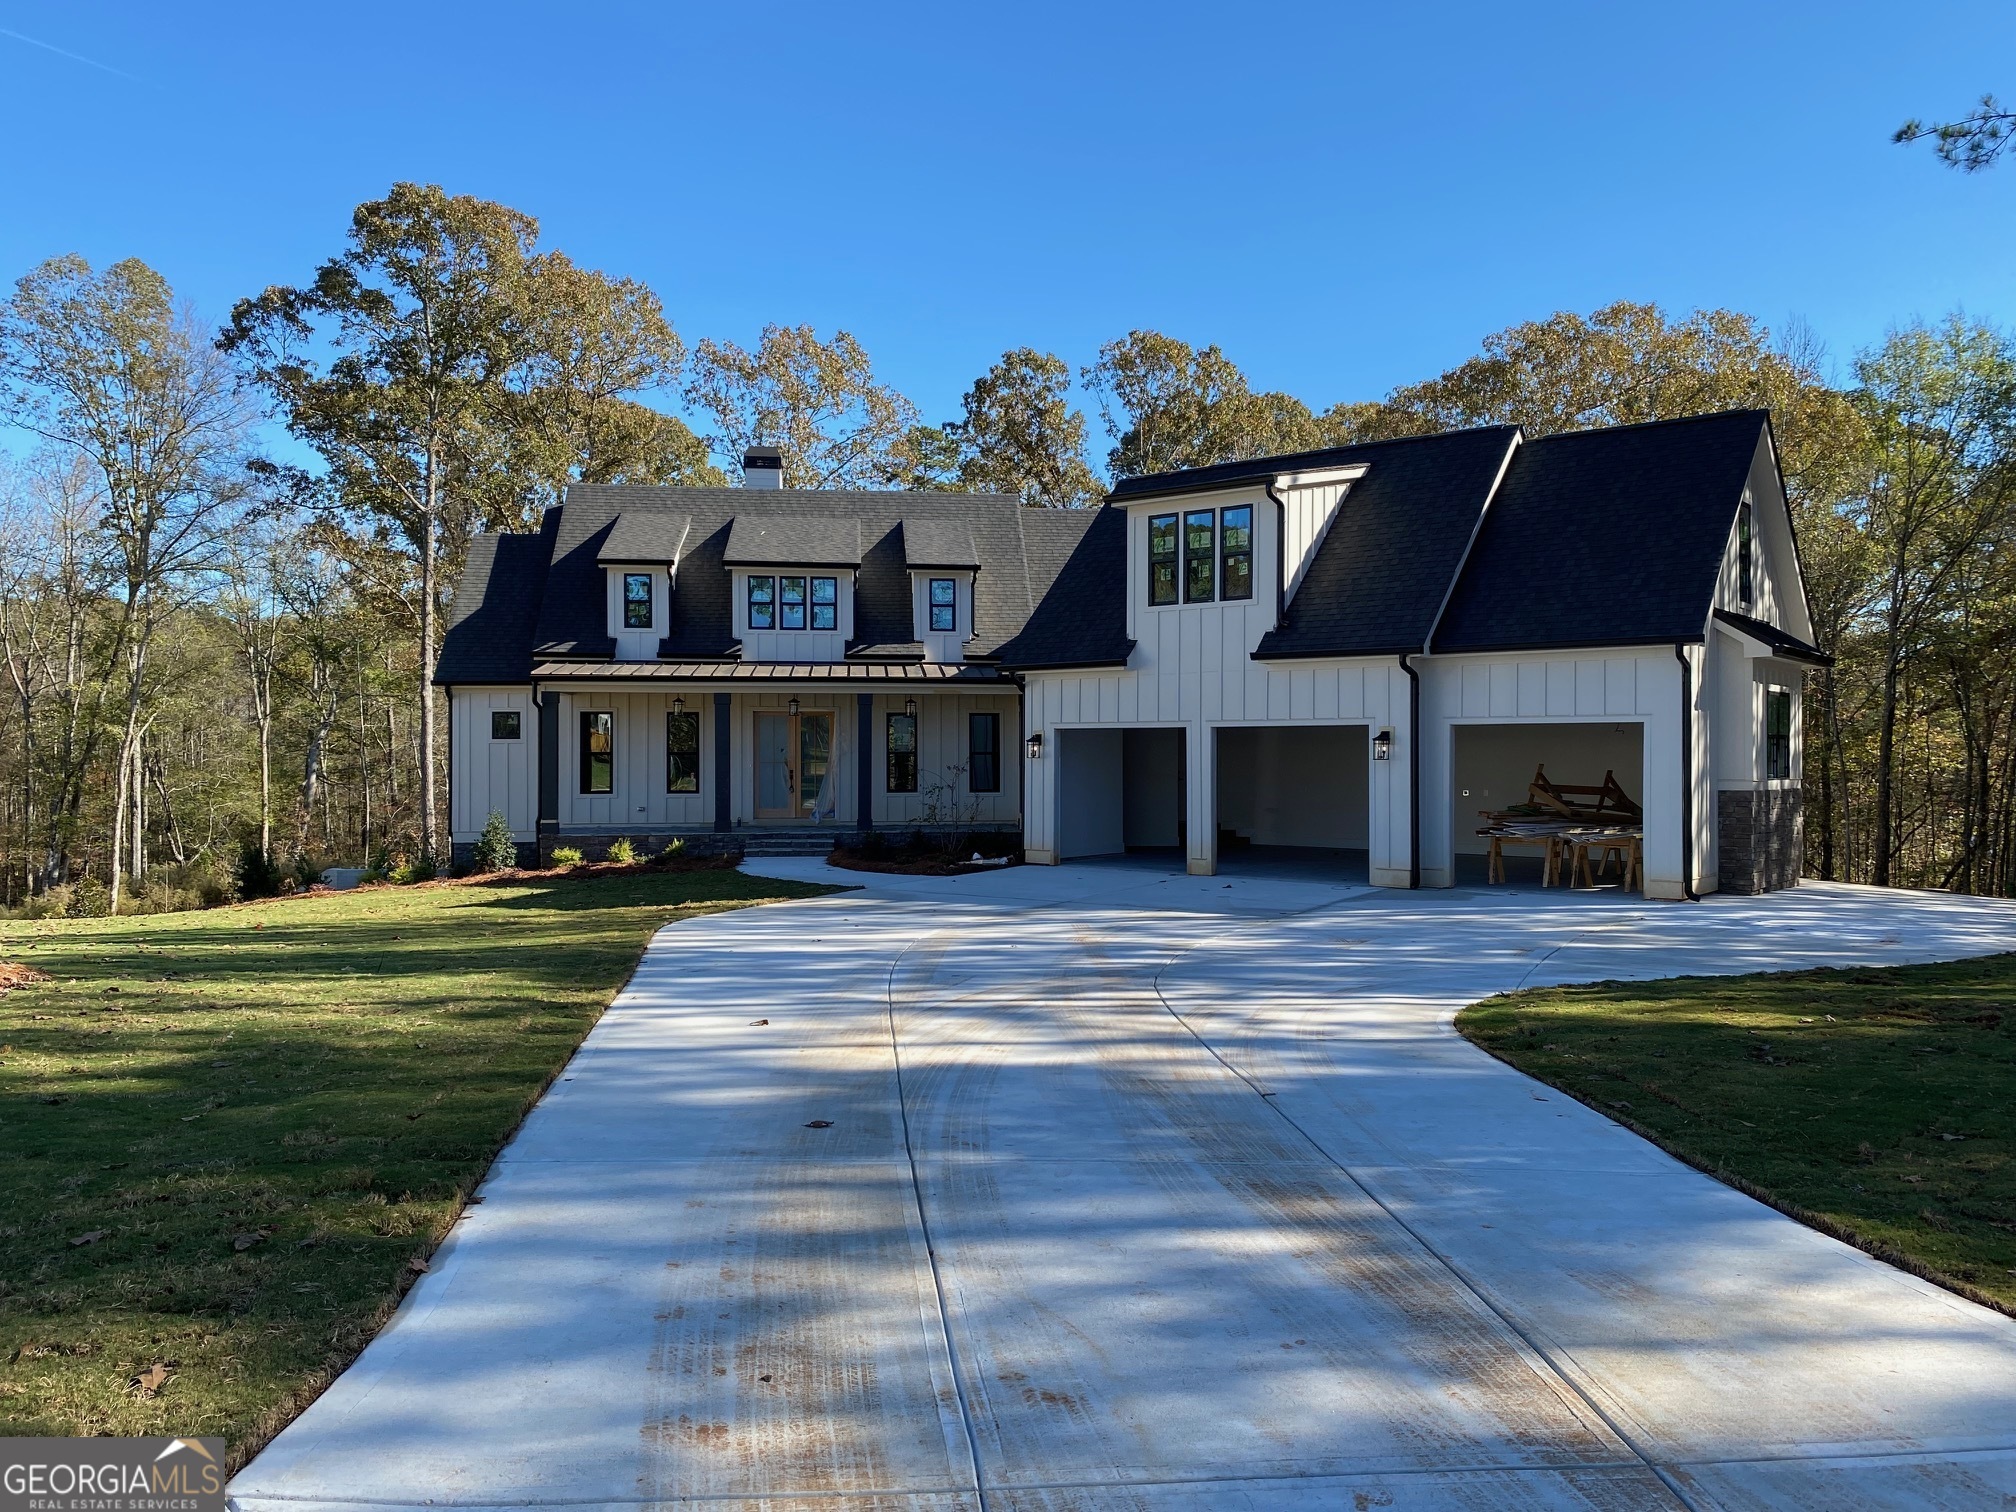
[1761, 411]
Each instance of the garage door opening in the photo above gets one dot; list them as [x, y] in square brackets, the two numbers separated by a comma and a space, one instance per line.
[1494, 767]
[1120, 792]
[1295, 797]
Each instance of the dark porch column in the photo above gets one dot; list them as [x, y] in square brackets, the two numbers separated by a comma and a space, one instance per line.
[549, 772]
[864, 762]
[723, 809]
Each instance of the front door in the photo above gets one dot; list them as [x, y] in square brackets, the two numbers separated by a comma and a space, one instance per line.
[794, 767]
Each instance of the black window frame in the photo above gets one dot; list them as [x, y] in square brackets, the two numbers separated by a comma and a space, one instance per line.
[983, 758]
[950, 626]
[1227, 556]
[682, 720]
[899, 767]
[1745, 585]
[1777, 734]
[767, 604]
[503, 719]
[588, 757]
[1195, 555]
[631, 605]
[1165, 590]
[830, 604]
[787, 604]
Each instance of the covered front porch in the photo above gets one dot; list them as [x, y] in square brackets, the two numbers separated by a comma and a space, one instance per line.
[755, 754]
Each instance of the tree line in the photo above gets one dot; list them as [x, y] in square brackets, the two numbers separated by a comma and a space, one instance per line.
[226, 550]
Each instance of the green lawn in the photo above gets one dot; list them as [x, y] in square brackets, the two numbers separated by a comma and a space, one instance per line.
[228, 1140]
[1878, 1105]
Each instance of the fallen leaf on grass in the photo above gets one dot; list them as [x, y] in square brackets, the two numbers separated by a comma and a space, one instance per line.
[417, 1265]
[91, 1238]
[246, 1241]
[1953, 1137]
[149, 1382]
[1914, 1179]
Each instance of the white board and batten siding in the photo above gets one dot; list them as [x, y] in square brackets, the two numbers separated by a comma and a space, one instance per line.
[944, 761]
[638, 800]
[493, 774]
[1192, 668]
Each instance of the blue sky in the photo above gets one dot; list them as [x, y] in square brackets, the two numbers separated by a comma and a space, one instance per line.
[1344, 197]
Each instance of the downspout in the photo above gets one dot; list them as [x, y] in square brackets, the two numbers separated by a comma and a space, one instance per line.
[1280, 552]
[1686, 773]
[1413, 769]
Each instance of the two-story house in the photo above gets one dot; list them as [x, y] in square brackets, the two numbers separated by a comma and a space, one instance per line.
[1352, 651]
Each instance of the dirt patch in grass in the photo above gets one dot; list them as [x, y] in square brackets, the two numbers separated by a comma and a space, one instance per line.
[230, 1139]
[1878, 1105]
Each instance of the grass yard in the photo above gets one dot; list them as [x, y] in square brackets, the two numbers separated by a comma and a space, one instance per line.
[229, 1140]
[1877, 1105]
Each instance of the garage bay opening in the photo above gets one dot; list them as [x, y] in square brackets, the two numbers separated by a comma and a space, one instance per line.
[1122, 791]
[1536, 789]
[1294, 797]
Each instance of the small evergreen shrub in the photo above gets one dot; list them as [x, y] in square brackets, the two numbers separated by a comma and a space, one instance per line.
[258, 874]
[566, 855]
[307, 871]
[495, 849]
[673, 851]
[413, 871]
[621, 851]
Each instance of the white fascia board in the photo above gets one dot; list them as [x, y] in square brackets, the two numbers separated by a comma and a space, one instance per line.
[1317, 477]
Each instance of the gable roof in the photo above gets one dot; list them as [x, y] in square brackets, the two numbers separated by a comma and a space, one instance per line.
[930, 542]
[1605, 537]
[1078, 571]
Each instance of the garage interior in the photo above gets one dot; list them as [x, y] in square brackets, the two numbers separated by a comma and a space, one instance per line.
[1493, 767]
[1295, 797]
[1122, 791]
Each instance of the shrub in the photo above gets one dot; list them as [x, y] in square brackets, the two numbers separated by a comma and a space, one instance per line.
[53, 903]
[412, 871]
[621, 851]
[307, 871]
[566, 855]
[495, 849]
[258, 875]
[89, 899]
[673, 850]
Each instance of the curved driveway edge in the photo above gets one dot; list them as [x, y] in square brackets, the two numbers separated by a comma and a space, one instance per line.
[1100, 1187]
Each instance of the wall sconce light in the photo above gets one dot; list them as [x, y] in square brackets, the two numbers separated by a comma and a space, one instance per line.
[678, 705]
[1382, 746]
[792, 706]
[1034, 746]
[910, 707]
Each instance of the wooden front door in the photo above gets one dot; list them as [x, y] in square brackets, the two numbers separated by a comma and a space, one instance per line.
[794, 767]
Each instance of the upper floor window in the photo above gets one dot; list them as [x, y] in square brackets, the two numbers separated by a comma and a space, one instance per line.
[944, 604]
[793, 603]
[636, 601]
[598, 752]
[1200, 540]
[504, 724]
[1777, 732]
[1743, 554]
[1235, 553]
[1162, 559]
[1208, 551]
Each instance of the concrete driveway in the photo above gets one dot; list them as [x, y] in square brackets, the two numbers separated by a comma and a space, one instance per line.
[1099, 1187]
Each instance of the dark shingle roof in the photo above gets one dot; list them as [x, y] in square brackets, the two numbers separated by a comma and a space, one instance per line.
[1782, 642]
[939, 543]
[1078, 572]
[1399, 535]
[1605, 537]
[646, 535]
[496, 604]
[794, 540]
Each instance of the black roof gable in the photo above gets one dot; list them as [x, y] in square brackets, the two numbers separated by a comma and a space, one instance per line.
[1605, 537]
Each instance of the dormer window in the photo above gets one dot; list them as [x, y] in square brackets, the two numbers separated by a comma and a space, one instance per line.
[636, 601]
[1162, 559]
[793, 602]
[1200, 546]
[1235, 552]
[944, 604]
